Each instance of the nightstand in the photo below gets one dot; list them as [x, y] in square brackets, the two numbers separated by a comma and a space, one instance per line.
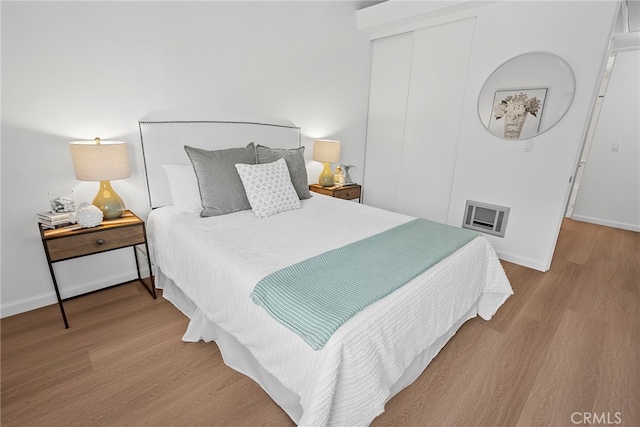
[73, 242]
[347, 192]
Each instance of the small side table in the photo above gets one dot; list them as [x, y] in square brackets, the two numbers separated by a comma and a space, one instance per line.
[346, 192]
[73, 242]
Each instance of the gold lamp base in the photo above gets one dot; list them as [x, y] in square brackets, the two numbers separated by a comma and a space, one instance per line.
[108, 201]
[326, 176]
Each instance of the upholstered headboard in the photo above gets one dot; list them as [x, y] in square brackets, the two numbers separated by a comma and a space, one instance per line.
[163, 143]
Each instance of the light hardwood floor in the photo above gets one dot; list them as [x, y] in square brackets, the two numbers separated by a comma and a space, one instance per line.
[567, 342]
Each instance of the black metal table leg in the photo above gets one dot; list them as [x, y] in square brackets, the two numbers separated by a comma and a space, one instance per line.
[152, 289]
[55, 285]
[151, 278]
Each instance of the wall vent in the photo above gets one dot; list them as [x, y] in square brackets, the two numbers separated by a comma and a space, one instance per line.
[486, 218]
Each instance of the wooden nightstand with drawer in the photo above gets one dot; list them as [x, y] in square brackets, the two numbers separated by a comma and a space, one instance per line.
[73, 242]
[347, 192]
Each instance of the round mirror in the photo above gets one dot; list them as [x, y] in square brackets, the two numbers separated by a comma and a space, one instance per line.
[526, 96]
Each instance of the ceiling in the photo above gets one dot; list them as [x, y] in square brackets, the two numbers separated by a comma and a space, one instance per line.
[629, 20]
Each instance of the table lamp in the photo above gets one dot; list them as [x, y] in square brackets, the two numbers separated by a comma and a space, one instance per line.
[326, 151]
[102, 161]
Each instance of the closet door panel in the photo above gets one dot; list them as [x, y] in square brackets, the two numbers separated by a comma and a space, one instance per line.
[390, 68]
[436, 93]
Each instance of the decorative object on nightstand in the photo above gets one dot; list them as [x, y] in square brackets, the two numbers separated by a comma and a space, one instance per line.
[71, 242]
[338, 177]
[345, 171]
[55, 220]
[346, 192]
[326, 151]
[61, 202]
[102, 161]
[88, 215]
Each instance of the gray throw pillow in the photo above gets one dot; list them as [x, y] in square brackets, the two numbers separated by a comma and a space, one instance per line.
[295, 163]
[221, 189]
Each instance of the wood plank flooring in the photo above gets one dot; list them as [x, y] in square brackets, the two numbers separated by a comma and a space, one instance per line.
[567, 344]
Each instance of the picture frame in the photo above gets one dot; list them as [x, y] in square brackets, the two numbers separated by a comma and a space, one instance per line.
[524, 126]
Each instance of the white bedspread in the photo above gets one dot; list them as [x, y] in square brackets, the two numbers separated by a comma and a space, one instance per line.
[216, 261]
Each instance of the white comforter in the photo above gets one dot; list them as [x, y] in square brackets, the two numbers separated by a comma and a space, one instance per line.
[217, 261]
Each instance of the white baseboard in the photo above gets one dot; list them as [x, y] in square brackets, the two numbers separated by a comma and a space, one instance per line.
[526, 262]
[42, 300]
[607, 223]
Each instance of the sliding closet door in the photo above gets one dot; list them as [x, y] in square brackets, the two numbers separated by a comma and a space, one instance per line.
[390, 68]
[436, 92]
[417, 89]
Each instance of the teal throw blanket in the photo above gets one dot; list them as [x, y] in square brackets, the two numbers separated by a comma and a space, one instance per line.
[316, 296]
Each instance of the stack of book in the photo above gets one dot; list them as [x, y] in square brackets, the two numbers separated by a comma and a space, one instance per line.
[54, 220]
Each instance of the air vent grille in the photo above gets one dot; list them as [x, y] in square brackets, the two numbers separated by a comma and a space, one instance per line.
[486, 218]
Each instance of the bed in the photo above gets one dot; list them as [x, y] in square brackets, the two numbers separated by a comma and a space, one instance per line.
[209, 266]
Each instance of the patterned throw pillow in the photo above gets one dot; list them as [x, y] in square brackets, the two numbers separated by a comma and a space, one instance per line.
[268, 187]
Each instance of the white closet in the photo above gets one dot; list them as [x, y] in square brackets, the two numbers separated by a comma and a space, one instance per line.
[416, 94]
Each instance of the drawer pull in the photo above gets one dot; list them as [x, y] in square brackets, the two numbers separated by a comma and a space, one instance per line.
[100, 241]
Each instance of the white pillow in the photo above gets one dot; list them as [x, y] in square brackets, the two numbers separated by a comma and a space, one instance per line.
[183, 185]
[268, 187]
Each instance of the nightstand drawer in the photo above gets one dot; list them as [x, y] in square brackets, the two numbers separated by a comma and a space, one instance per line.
[94, 242]
[348, 193]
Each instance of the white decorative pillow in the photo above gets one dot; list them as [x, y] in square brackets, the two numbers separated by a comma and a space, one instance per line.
[268, 187]
[183, 185]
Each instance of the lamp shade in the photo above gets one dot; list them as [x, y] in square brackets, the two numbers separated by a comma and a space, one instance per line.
[326, 150]
[100, 160]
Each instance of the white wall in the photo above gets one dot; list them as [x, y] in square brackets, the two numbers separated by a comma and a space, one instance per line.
[609, 191]
[76, 70]
[535, 185]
